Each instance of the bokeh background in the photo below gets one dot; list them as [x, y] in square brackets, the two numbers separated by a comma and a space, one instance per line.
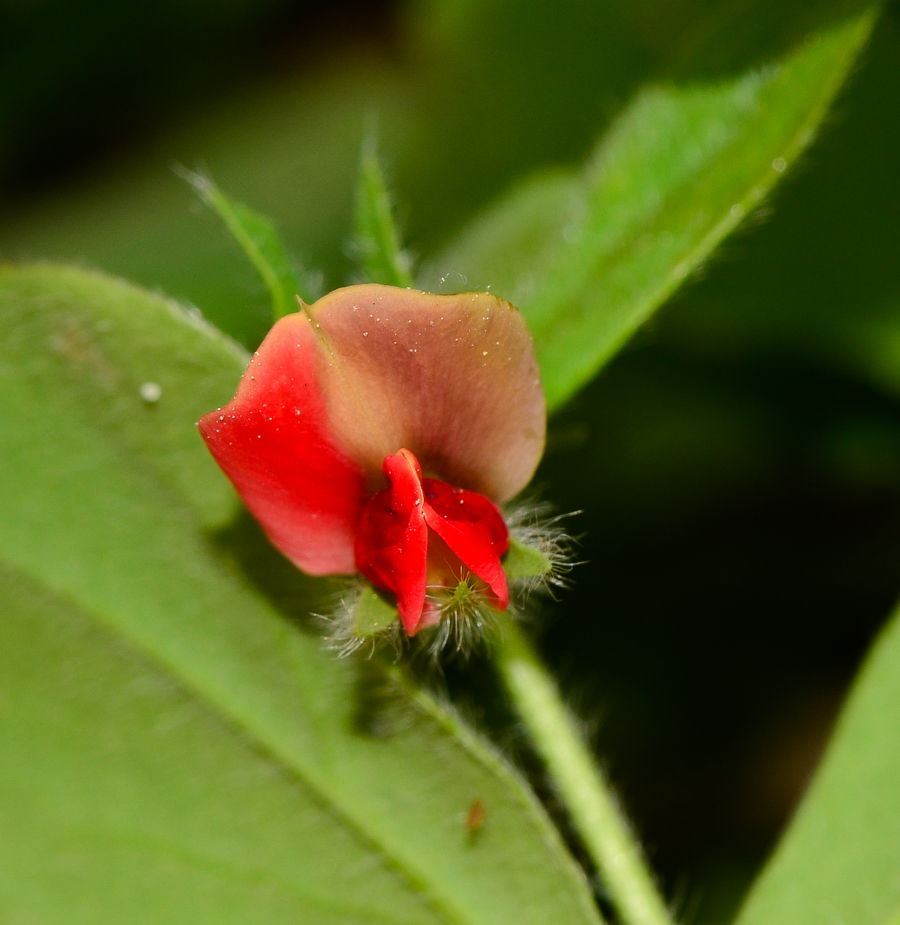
[737, 467]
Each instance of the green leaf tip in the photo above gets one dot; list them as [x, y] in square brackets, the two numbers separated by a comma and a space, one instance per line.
[377, 242]
[524, 561]
[259, 240]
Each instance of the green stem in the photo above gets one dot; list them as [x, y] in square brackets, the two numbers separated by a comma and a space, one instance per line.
[579, 782]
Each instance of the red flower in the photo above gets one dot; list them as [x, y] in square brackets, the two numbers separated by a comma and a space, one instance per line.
[347, 402]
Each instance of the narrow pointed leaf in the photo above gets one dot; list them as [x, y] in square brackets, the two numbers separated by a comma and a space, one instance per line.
[588, 255]
[259, 240]
[177, 745]
[377, 240]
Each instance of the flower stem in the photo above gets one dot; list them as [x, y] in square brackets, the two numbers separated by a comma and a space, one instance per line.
[579, 782]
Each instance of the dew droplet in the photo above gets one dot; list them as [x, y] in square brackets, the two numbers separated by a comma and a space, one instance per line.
[151, 392]
[779, 164]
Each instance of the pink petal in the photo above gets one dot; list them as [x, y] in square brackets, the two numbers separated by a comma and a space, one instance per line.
[452, 377]
[276, 444]
[473, 528]
[392, 542]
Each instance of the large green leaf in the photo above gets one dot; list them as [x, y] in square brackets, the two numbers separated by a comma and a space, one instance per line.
[840, 859]
[175, 749]
[588, 255]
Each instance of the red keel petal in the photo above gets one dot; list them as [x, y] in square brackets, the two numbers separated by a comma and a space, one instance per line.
[473, 527]
[392, 540]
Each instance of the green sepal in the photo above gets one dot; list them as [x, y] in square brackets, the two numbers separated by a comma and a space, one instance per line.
[372, 613]
[526, 561]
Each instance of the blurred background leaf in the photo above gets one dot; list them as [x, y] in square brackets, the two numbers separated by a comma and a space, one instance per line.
[840, 860]
[737, 465]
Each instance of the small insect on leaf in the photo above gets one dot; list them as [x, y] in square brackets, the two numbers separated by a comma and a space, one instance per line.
[475, 816]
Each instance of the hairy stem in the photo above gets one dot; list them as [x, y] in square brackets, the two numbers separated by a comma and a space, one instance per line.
[580, 783]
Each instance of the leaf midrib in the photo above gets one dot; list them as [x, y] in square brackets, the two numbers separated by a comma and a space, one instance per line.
[302, 773]
[215, 863]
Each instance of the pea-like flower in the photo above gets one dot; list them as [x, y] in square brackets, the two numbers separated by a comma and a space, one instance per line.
[378, 431]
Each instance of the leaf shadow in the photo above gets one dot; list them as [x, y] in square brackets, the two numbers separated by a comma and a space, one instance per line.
[299, 597]
[380, 708]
